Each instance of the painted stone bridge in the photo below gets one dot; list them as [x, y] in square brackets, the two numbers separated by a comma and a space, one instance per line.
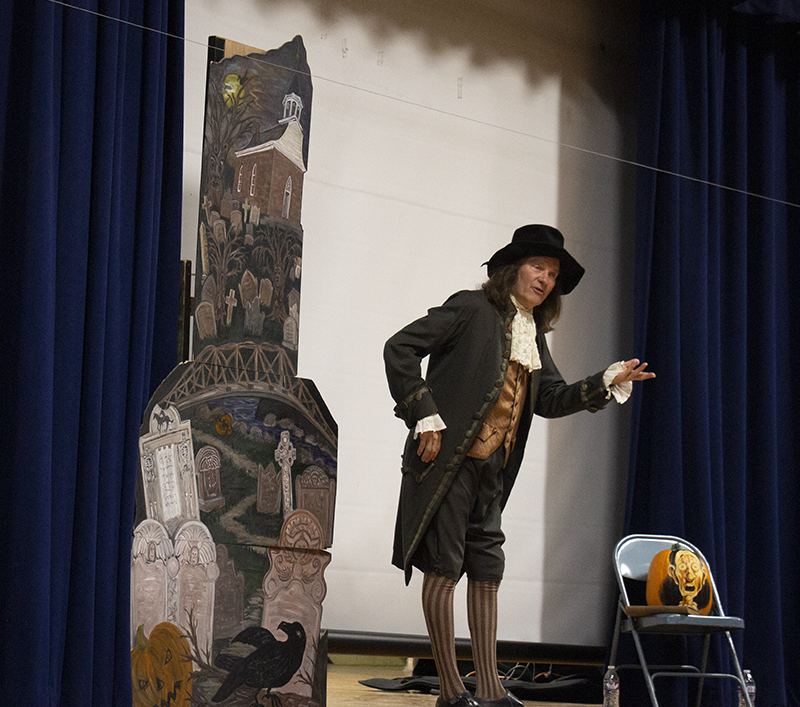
[239, 368]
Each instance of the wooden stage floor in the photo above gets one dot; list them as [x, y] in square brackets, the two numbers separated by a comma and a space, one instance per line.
[344, 689]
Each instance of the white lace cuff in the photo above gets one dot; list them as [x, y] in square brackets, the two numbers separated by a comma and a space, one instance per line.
[620, 391]
[432, 423]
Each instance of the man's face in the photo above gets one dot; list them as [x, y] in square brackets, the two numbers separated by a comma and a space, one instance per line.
[536, 279]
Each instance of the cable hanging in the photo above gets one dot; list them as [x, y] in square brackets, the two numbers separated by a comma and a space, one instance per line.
[450, 114]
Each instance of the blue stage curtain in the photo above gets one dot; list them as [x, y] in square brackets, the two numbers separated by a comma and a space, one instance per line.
[714, 453]
[91, 124]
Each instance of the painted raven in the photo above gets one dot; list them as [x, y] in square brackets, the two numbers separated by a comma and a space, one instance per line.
[272, 664]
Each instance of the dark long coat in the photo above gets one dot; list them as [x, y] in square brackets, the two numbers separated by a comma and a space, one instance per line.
[469, 344]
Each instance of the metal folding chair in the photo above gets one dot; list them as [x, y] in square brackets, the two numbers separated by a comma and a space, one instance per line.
[632, 557]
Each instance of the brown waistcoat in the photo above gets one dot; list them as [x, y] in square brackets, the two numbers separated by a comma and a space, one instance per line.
[502, 422]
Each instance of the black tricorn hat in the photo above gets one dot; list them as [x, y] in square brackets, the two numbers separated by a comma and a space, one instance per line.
[538, 239]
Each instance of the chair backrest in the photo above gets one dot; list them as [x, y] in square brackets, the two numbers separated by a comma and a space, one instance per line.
[634, 553]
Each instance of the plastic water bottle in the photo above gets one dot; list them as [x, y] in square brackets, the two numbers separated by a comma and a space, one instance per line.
[750, 686]
[611, 687]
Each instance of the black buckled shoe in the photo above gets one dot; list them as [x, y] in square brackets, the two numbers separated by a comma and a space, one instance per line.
[507, 700]
[462, 700]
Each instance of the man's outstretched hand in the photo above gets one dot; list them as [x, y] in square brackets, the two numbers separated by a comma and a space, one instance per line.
[633, 370]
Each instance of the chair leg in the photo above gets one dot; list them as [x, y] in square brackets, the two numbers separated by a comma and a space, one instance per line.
[738, 667]
[703, 663]
[615, 639]
[651, 688]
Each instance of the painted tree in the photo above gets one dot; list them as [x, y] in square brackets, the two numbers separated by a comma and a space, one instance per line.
[229, 126]
[275, 249]
[225, 260]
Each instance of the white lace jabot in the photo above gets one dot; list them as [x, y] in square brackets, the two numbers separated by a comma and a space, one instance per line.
[523, 338]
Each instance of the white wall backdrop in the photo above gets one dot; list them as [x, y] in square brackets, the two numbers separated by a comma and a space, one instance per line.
[438, 128]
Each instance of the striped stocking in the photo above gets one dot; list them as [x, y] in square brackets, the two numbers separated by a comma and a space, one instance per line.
[437, 605]
[482, 618]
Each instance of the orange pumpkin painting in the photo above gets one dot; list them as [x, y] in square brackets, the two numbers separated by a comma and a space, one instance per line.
[677, 577]
[160, 667]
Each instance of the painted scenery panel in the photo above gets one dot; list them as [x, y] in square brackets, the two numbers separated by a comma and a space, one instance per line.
[235, 502]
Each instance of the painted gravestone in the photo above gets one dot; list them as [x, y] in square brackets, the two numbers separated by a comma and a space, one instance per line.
[294, 589]
[239, 454]
[170, 487]
[207, 464]
[153, 567]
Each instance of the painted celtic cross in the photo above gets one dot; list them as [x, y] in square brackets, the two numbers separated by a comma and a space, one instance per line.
[285, 455]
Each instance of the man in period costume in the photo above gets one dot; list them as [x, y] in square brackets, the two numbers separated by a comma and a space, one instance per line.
[489, 371]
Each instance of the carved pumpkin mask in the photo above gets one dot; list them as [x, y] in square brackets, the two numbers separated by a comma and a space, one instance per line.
[678, 577]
